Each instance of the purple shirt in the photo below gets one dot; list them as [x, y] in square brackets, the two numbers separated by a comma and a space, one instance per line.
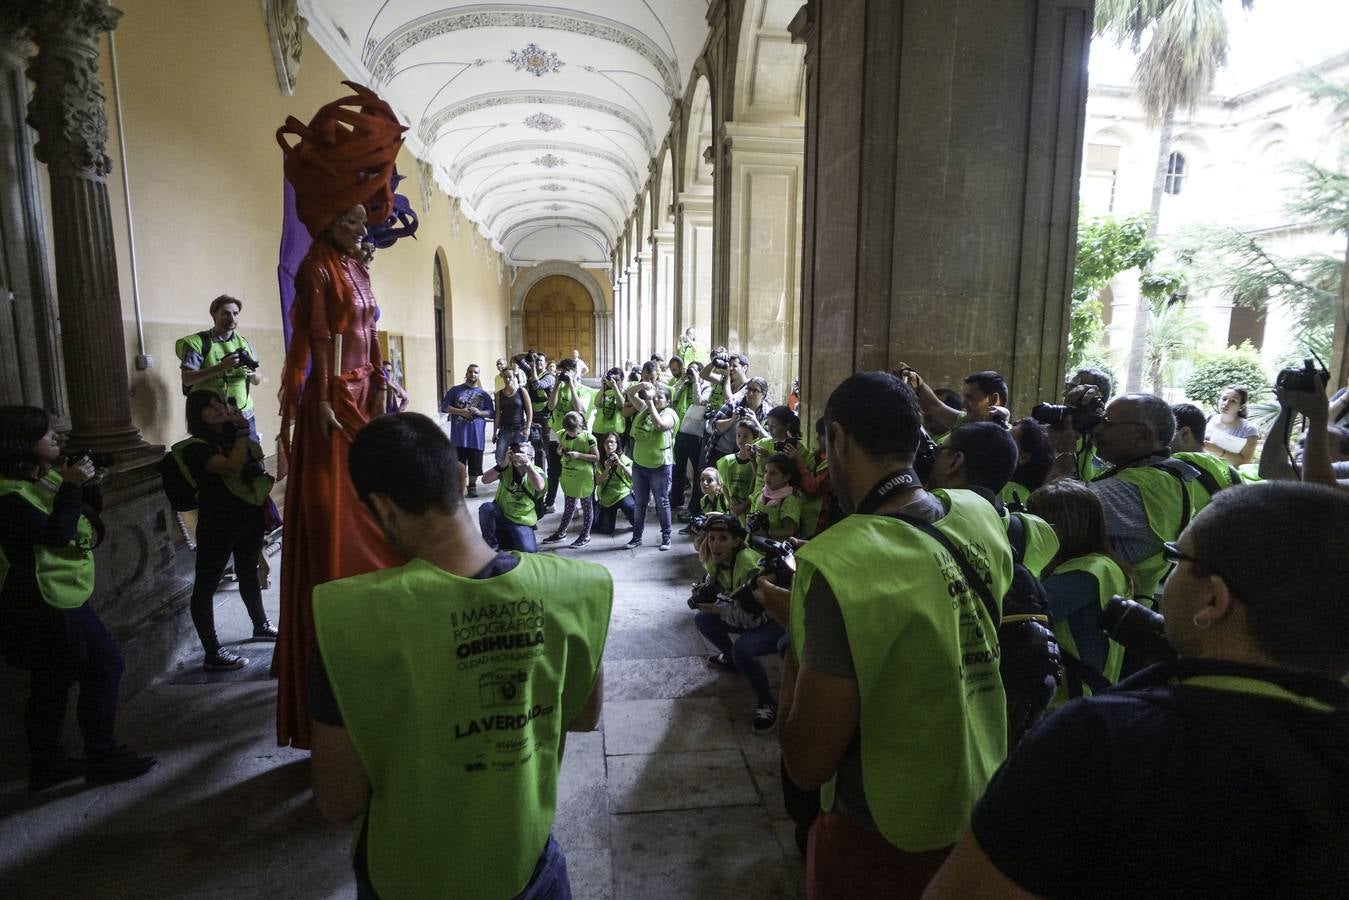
[468, 433]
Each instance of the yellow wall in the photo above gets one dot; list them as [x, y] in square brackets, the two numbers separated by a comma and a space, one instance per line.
[201, 106]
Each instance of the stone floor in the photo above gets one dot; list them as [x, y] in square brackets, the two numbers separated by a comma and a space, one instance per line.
[674, 797]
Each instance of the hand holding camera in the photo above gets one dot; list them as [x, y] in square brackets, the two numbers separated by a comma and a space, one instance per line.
[1304, 390]
[77, 469]
[908, 376]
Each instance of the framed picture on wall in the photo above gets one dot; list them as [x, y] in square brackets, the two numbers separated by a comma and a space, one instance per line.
[391, 351]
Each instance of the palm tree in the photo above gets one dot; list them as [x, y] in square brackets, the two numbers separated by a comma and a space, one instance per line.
[1186, 45]
[1173, 335]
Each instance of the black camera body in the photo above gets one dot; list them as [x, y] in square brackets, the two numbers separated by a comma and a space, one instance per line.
[1083, 419]
[1303, 379]
[756, 521]
[99, 460]
[246, 361]
[1138, 629]
[778, 564]
[779, 446]
[720, 362]
[705, 591]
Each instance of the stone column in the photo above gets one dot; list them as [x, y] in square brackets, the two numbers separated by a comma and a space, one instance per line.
[943, 148]
[694, 221]
[141, 584]
[631, 293]
[663, 251]
[762, 302]
[646, 302]
[67, 111]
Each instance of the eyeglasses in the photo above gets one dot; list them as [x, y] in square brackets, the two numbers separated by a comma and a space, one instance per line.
[1172, 553]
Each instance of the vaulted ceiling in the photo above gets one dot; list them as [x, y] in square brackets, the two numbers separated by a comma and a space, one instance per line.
[542, 119]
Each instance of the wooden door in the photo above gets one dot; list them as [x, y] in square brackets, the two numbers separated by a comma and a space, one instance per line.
[559, 316]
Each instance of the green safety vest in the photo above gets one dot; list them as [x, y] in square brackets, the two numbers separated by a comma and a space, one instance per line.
[456, 693]
[716, 504]
[737, 478]
[1164, 507]
[730, 577]
[233, 383]
[933, 719]
[1042, 544]
[1110, 580]
[563, 407]
[614, 484]
[681, 396]
[65, 575]
[789, 508]
[578, 475]
[1223, 475]
[254, 492]
[651, 448]
[516, 498]
[608, 413]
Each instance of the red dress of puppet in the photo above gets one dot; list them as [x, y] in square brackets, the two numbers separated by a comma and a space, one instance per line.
[340, 170]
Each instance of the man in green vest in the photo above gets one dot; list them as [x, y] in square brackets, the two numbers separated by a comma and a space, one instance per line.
[891, 698]
[1188, 446]
[221, 360]
[981, 456]
[442, 689]
[1148, 497]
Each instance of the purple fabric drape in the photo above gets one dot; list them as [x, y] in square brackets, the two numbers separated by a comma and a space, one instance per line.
[295, 241]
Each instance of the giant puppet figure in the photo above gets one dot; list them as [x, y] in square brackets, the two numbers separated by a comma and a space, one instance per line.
[341, 171]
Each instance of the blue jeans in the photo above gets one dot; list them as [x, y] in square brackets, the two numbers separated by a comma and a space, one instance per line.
[752, 643]
[606, 517]
[646, 484]
[501, 533]
[550, 881]
[90, 659]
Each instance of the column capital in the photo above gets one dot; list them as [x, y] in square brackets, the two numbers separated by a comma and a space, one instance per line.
[68, 109]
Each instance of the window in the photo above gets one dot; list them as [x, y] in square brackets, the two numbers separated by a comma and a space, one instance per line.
[1102, 175]
[1175, 173]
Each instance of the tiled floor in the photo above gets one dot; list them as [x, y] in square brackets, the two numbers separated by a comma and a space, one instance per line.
[673, 798]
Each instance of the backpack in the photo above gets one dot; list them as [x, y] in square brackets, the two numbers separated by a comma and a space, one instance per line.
[179, 485]
[1028, 655]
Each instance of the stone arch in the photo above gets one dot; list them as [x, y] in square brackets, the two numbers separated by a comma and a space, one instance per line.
[698, 128]
[768, 70]
[663, 196]
[443, 315]
[587, 278]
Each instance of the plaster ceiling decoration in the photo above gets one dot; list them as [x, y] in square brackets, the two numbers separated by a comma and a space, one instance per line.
[542, 120]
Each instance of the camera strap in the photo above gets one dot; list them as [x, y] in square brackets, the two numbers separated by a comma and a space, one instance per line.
[899, 480]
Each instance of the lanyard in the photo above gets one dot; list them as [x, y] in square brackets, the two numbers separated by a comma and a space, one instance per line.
[899, 480]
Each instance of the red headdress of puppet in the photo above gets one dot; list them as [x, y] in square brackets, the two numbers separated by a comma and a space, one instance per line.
[344, 156]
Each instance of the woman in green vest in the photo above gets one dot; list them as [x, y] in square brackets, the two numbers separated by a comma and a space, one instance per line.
[579, 452]
[653, 456]
[1079, 581]
[609, 404]
[49, 526]
[1035, 454]
[232, 486]
[614, 476]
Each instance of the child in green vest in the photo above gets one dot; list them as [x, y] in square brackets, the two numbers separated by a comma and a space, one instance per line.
[609, 404]
[579, 452]
[780, 500]
[737, 471]
[712, 500]
[614, 474]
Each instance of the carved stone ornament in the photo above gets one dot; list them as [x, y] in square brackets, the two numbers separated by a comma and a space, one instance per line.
[454, 217]
[68, 109]
[285, 33]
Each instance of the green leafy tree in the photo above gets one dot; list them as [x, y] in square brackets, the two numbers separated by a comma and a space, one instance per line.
[1105, 247]
[1173, 335]
[1186, 44]
[1240, 365]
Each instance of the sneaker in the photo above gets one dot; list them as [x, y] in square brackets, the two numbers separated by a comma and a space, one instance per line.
[721, 661]
[58, 773]
[549, 509]
[665, 542]
[472, 492]
[687, 529]
[635, 542]
[765, 719]
[581, 541]
[555, 537]
[121, 765]
[223, 661]
[267, 632]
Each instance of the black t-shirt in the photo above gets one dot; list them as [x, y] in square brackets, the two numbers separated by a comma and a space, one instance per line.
[1158, 789]
[212, 494]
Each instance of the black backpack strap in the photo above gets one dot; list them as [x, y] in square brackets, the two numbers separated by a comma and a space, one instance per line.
[972, 578]
[1169, 466]
[1016, 535]
[1207, 481]
[1079, 673]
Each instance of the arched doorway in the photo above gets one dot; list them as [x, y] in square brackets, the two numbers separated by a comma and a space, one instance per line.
[438, 306]
[559, 316]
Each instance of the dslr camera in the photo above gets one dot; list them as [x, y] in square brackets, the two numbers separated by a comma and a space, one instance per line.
[756, 521]
[99, 460]
[1083, 418]
[1138, 629]
[779, 446]
[705, 591]
[1303, 379]
[720, 362]
[246, 361]
[777, 563]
